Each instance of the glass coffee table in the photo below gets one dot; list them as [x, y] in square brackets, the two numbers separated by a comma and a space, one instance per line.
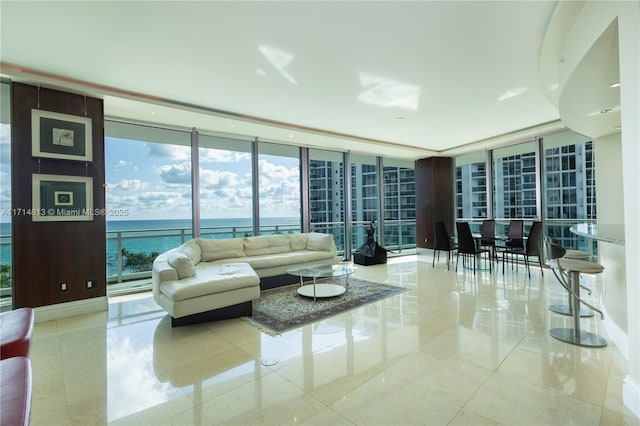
[322, 290]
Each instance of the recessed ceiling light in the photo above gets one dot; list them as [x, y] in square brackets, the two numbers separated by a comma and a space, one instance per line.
[153, 113]
[291, 135]
[615, 85]
[618, 127]
[607, 110]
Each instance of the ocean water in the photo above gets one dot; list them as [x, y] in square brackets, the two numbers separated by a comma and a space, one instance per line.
[149, 236]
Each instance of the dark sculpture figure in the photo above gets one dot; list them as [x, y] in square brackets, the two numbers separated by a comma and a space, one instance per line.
[370, 253]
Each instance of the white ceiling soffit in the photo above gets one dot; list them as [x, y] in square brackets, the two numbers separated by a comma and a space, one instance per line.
[402, 79]
[590, 98]
[552, 50]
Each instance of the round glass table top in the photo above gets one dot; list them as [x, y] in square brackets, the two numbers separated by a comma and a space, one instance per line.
[322, 271]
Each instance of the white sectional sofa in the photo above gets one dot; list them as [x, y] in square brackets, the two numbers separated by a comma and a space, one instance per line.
[207, 279]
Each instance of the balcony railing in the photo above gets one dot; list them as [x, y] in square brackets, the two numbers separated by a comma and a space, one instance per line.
[554, 228]
[144, 244]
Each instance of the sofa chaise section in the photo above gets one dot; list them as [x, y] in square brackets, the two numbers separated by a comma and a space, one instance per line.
[207, 279]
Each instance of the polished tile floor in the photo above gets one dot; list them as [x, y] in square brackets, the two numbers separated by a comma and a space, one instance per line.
[455, 349]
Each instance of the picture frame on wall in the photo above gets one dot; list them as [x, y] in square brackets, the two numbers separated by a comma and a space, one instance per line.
[58, 198]
[61, 136]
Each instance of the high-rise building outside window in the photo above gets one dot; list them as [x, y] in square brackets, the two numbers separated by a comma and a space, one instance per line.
[326, 193]
[567, 178]
[569, 186]
[399, 205]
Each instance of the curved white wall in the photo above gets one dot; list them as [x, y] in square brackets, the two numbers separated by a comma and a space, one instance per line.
[593, 20]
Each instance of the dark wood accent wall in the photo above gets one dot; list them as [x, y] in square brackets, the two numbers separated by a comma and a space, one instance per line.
[434, 197]
[46, 254]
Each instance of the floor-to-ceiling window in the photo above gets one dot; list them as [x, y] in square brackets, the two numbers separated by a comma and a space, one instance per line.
[364, 198]
[514, 184]
[399, 205]
[225, 187]
[569, 186]
[5, 198]
[471, 189]
[279, 188]
[148, 198]
[566, 185]
[326, 194]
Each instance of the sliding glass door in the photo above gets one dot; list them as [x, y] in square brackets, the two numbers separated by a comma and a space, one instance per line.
[399, 189]
[326, 194]
[279, 188]
[148, 198]
[514, 185]
[225, 187]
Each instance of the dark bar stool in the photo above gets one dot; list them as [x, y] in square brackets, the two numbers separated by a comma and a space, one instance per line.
[577, 255]
[573, 268]
[572, 254]
[555, 251]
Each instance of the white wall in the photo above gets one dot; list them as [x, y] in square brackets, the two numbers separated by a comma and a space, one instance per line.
[610, 210]
[593, 20]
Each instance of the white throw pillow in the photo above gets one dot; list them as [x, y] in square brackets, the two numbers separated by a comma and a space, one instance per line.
[182, 264]
[319, 242]
[191, 249]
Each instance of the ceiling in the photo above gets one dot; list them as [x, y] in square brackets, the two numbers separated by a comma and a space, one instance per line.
[402, 79]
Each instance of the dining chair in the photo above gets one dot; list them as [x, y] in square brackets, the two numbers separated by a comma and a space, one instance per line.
[444, 242]
[532, 248]
[514, 240]
[488, 236]
[515, 234]
[467, 246]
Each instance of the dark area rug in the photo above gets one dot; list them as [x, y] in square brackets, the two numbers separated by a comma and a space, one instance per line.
[281, 309]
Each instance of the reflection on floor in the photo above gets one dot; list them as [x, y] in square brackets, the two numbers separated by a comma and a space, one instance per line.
[455, 349]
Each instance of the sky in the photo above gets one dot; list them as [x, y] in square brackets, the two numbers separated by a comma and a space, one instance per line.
[147, 180]
[5, 172]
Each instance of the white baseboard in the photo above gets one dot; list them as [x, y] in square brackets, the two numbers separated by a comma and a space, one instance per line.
[70, 309]
[617, 335]
[631, 395]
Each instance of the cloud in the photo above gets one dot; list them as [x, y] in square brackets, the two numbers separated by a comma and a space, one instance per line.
[274, 170]
[279, 189]
[151, 203]
[222, 156]
[175, 173]
[217, 178]
[129, 185]
[224, 192]
[175, 152]
[5, 143]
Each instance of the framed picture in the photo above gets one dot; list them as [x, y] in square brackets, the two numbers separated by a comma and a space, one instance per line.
[63, 136]
[59, 198]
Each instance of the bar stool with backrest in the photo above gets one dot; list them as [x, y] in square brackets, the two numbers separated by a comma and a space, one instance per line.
[467, 246]
[573, 254]
[532, 248]
[553, 252]
[444, 242]
[572, 269]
